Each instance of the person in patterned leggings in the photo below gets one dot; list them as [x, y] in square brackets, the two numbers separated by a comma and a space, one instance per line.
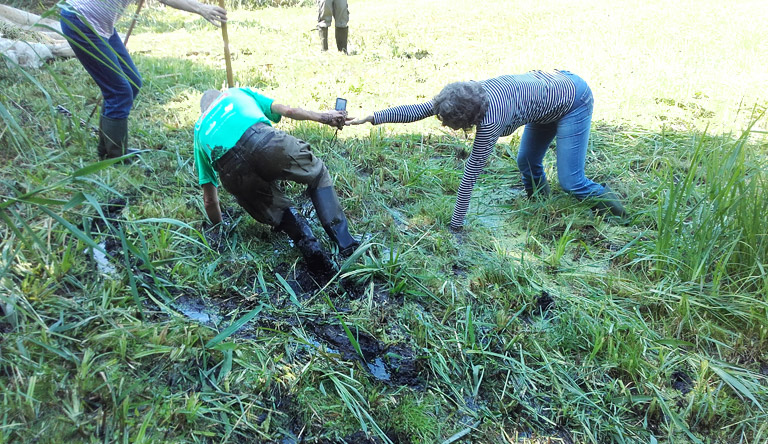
[549, 104]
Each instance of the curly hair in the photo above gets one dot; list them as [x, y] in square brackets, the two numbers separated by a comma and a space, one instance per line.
[461, 105]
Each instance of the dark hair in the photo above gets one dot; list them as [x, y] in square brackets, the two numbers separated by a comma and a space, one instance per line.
[461, 105]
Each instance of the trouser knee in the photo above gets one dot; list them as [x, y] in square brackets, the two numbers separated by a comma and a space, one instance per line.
[118, 104]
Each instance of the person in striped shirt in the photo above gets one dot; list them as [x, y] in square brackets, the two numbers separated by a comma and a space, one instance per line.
[89, 26]
[549, 104]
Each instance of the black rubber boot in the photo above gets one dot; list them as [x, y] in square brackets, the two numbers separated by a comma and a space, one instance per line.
[298, 229]
[113, 138]
[539, 189]
[333, 219]
[323, 32]
[341, 39]
[609, 203]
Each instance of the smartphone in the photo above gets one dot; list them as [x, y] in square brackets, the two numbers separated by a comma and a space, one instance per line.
[341, 104]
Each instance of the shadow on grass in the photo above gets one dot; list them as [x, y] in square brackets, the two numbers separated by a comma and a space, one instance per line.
[556, 323]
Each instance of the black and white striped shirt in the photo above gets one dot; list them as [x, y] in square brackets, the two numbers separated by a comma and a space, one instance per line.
[514, 100]
[101, 14]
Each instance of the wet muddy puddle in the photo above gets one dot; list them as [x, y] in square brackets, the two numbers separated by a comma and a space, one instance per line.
[395, 364]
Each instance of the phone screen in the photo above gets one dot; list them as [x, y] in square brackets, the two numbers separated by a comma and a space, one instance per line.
[341, 104]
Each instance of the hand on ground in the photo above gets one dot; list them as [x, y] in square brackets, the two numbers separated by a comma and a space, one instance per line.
[217, 234]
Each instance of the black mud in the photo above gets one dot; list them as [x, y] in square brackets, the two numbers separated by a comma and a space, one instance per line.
[395, 364]
[682, 381]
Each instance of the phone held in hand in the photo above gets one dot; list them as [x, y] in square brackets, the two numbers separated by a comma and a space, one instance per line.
[341, 104]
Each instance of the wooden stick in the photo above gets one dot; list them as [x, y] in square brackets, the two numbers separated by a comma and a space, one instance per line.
[133, 22]
[227, 57]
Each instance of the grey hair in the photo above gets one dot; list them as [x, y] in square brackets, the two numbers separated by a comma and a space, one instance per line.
[461, 105]
[208, 97]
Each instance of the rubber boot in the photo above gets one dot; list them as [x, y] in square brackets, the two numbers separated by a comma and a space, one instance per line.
[341, 39]
[298, 229]
[113, 138]
[609, 203]
[332, 218]
[323, 32]
[539, 189]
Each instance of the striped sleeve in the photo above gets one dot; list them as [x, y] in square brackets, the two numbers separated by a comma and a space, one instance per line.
[404, 113]
[485, 139]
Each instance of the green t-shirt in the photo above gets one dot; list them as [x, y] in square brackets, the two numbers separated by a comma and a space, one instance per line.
[220, 127]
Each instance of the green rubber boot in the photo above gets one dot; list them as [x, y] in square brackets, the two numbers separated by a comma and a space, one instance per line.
[323, 33]
[113, 138]
[539, 189]
[609, 203]
[341, 39]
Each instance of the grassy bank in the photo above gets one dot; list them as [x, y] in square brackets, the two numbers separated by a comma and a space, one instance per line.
[131, 323]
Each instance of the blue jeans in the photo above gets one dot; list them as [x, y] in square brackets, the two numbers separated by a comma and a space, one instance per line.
[108, 63]
[572, 132]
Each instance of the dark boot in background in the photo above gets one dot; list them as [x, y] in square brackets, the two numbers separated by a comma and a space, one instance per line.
[298, 229]
[333, 219]
[113, 138]
[323, 32]
[539, 189]
[609, 203]
[341, 39]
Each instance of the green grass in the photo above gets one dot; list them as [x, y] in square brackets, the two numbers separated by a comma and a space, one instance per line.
[540, 323]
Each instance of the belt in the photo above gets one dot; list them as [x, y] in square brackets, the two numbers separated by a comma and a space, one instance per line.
[246, 138]
[225, 158]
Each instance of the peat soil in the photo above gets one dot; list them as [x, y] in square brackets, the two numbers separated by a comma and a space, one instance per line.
[395, 364]
[392, 364]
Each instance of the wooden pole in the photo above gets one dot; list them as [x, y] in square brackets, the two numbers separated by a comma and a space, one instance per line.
[133, 22]
[227, 57]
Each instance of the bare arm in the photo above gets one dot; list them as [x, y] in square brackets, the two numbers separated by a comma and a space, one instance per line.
[213, 14]
[332, 118]
[211, 202]
[361, 120]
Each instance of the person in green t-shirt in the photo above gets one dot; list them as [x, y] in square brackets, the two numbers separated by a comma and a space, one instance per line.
[235, 144]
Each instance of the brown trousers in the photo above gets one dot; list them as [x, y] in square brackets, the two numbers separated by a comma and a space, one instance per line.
[254, 168]
[332, 9]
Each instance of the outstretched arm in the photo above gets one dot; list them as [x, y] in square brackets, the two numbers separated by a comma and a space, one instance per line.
[211, 203]
[404, 113]
[361, 120]
[213, 14]
[331, 118]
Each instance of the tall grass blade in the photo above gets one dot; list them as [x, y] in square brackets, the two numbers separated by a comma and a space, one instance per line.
[229, 331]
